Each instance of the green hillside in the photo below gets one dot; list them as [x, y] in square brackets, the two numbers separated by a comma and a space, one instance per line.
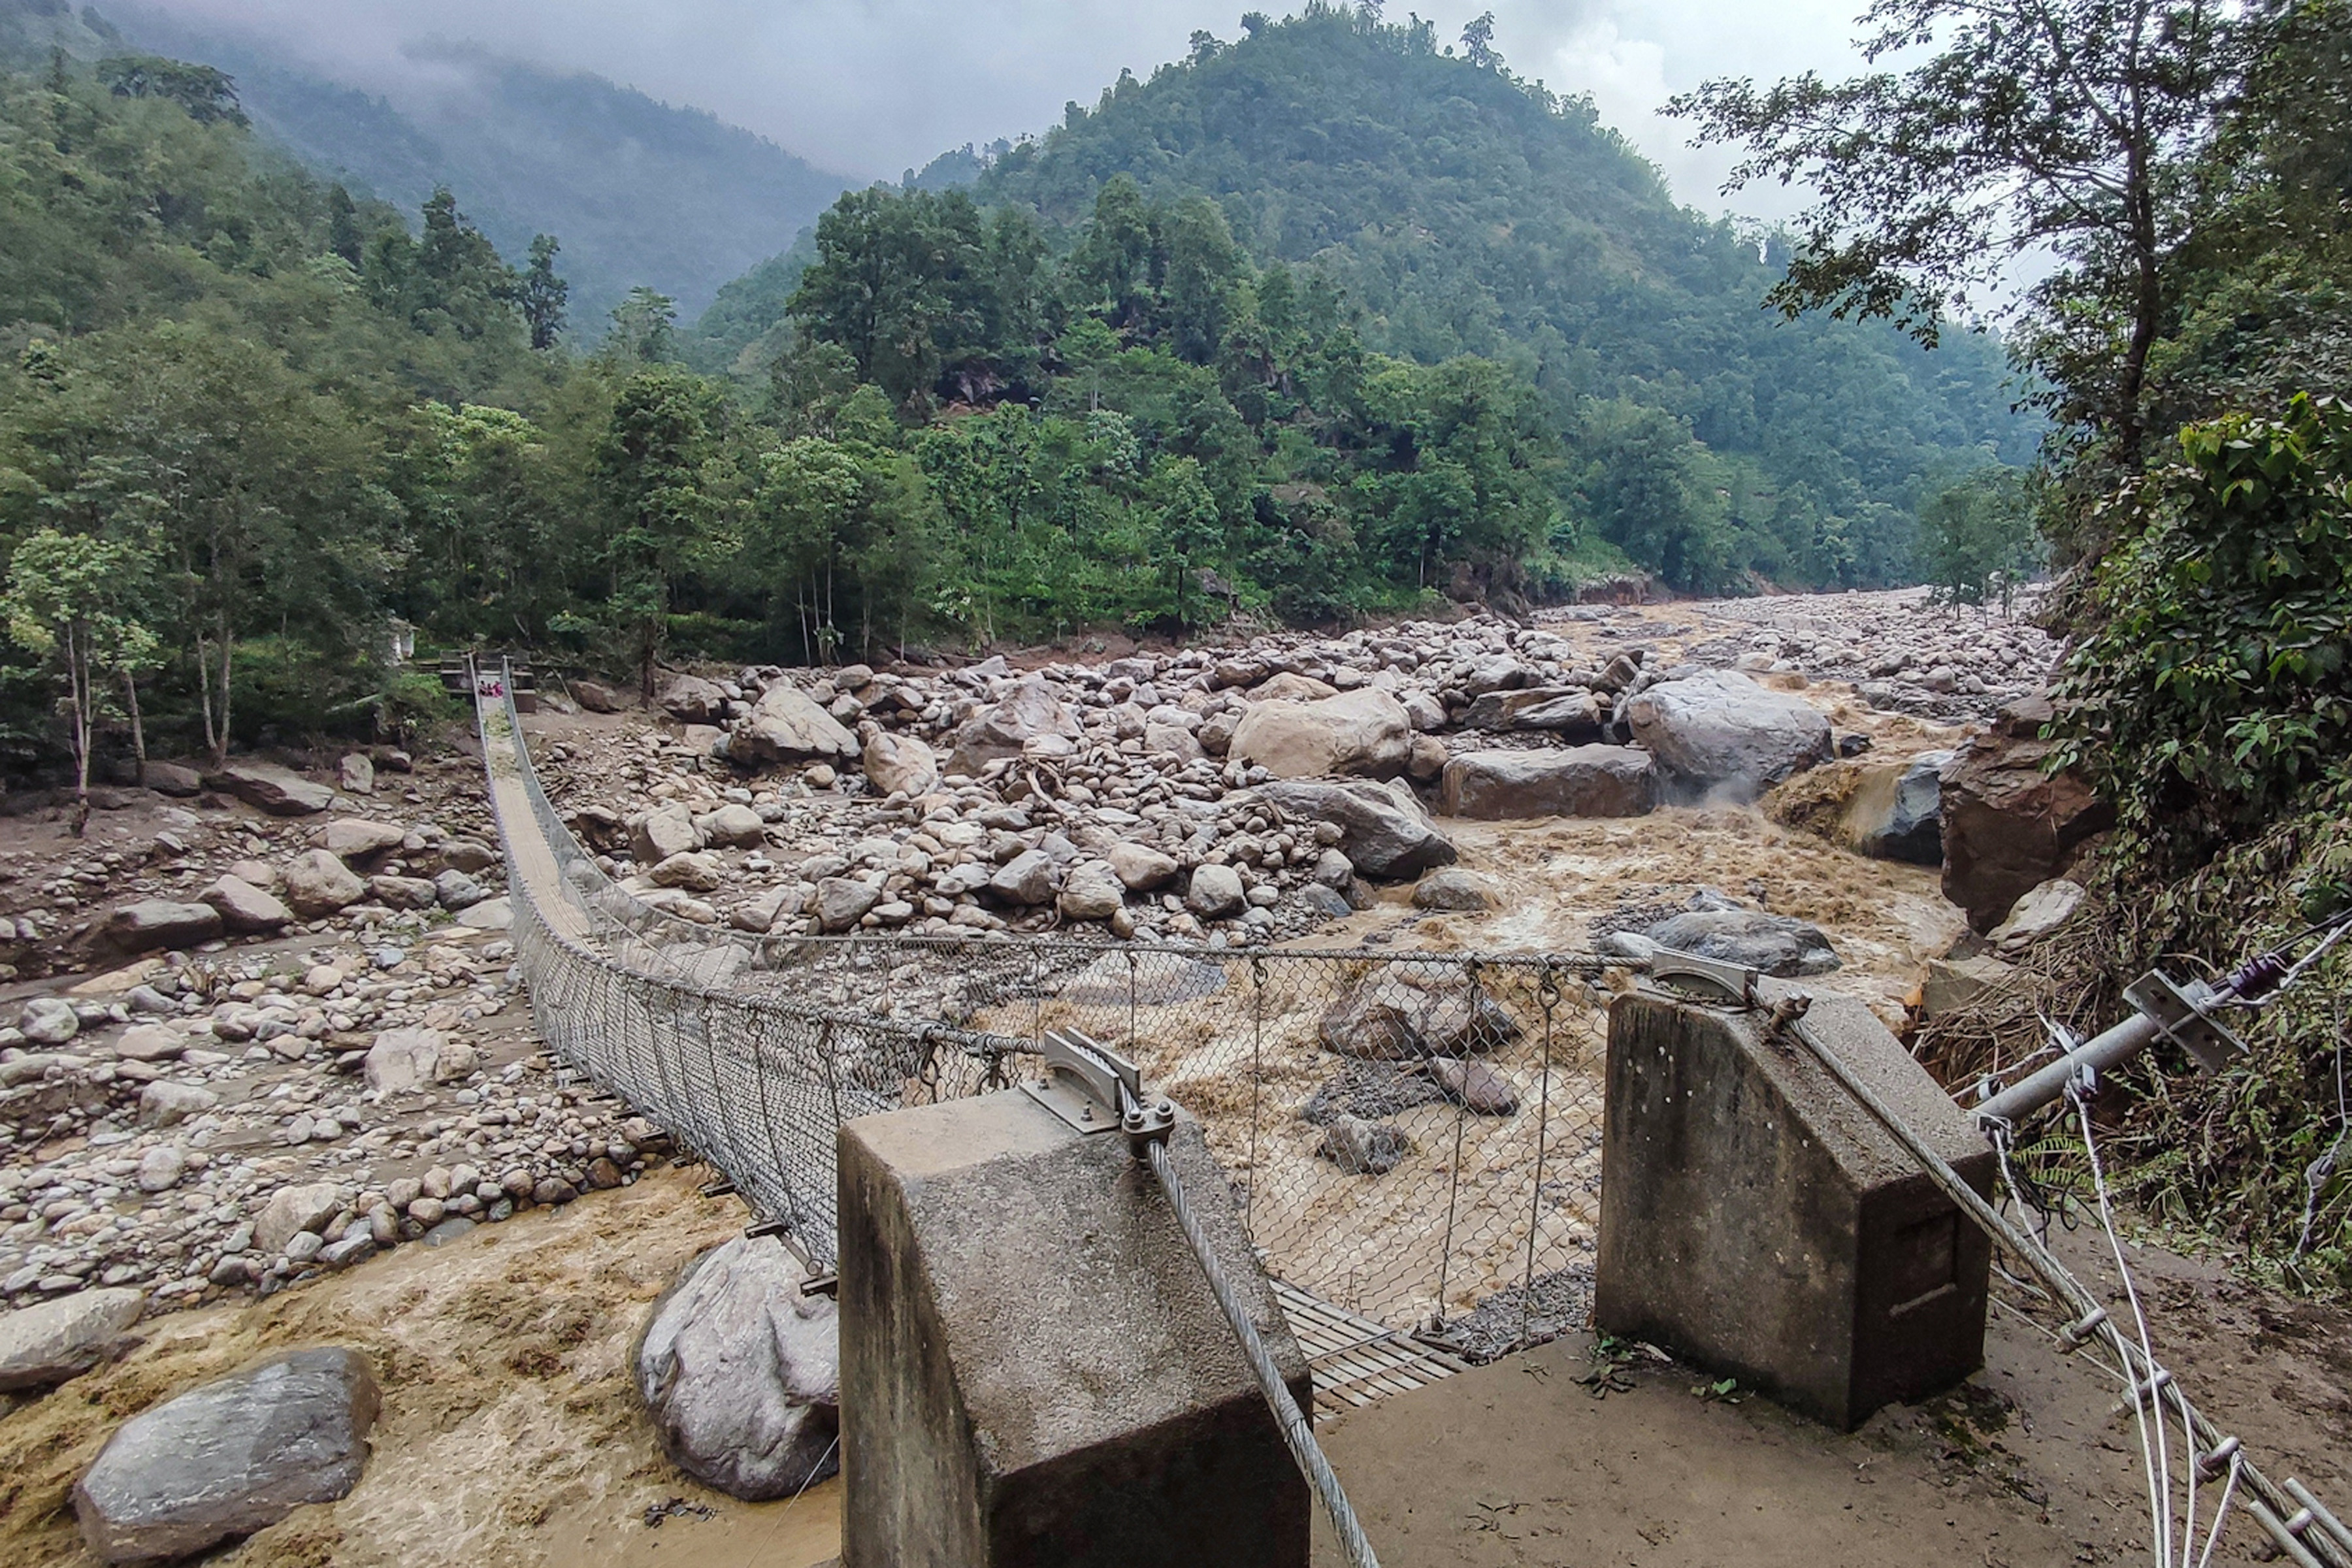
[1462, 210]
[640, 191]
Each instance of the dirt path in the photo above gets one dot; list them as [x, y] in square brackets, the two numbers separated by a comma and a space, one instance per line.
[1517, 1464]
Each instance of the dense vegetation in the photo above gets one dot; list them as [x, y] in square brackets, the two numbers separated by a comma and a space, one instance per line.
[2187, 165]
[641, 192]
[1459, 209]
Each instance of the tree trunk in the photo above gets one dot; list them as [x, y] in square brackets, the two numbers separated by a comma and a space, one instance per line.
[204, 690]
[220, 744]
[138, 731]
[81, 699]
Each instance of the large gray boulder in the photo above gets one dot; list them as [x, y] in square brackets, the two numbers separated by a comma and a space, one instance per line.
[1577, 781]
[664, 831]
[317, 883]
[1721, 734]
[1393, 1021]
[1770, 944]
[44, 1345]
[272, 789]
[1364, 734]
[842, 902]
[742, 1372]
[896, 764]
[1383, 832]
[692, 700]
[1567, 708]
[48, 1021]
[1029, 715]
[230, 1457]
[1897, 813]
[245, 908]
[355, 840]
[787, 726]
[410, 1059]
[159, 922]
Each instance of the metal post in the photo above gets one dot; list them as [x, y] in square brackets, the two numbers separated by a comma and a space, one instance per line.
[2031, 1094]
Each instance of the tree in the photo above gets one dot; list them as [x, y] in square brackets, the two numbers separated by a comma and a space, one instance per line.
[644, 328]
[2065, 125]
[73, 597]
[543, 293]
[652, 462]
[1978, 537]
[208, 96]
[1478, 41]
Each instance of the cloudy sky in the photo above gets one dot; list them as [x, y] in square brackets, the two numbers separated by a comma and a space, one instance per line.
[868, 87]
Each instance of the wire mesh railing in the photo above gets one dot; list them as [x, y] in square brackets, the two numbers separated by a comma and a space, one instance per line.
[1414, 1136]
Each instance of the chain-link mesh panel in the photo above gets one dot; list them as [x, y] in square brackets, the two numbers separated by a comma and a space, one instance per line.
[1413, 1136]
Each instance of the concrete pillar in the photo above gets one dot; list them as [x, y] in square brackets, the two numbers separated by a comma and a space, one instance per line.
[1033, 1368]
[1758, 1221]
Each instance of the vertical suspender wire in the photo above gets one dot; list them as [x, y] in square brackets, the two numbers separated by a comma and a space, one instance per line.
[1548, 996]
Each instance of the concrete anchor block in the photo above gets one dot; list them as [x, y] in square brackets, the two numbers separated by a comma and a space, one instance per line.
[1759, 1221]
[1033, 1368]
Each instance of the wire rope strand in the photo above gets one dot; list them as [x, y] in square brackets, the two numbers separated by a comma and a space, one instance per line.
[1297, 1432]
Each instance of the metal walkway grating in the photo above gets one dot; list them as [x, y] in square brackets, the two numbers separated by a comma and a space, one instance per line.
[1357, 1360]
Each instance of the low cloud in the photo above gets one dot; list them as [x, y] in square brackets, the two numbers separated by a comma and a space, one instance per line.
[869, 87]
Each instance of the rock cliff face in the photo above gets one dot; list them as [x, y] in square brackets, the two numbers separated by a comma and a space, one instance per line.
[2009, 826]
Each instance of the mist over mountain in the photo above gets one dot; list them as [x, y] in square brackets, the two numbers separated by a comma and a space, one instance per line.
[638, 192]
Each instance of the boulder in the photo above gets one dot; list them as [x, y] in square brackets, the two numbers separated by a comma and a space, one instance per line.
[272, 789]
[1456, 890]
[841, 902]
[172, 779]
[43, 1345]
[1141, 867]
[1026, 879]
[296, 1211]
[1215, 892]
[1383, 832]
[452, 889]
[354, 839]
[356, 774]
[595, 697]
[1361, 1148]
[692, 870]
[230, 1457]
[160, 922]
[1895, 812]
[1954, 982]
[787, 725]
[1580, 781]
[692, 700]
[467, 854]
[1721, 734]
[150, 1043]
[245, 908]
[410, 1059]
[1394, 1021]
[664, 831]
[1767, 944]
[732, 827]
[490, 914]
[1030, 713]
[167, 1104]
[1474, 1086]
[2034, 916]
[317, 883]
[1562, 707]
[2008, 826]
[742, 1372]
[1289, 686]
[1092, 891]
[1363, 733]
[48, 1021]
[403, 893]
[896, 764]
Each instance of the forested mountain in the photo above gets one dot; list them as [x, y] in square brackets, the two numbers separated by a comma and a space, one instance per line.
[640, 193]
[1462, 210]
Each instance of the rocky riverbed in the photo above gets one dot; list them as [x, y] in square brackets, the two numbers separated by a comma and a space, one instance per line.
[265, 1026]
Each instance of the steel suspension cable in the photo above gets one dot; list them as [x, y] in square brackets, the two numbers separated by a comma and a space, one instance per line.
[1297, 1432]
[2269, 1504]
